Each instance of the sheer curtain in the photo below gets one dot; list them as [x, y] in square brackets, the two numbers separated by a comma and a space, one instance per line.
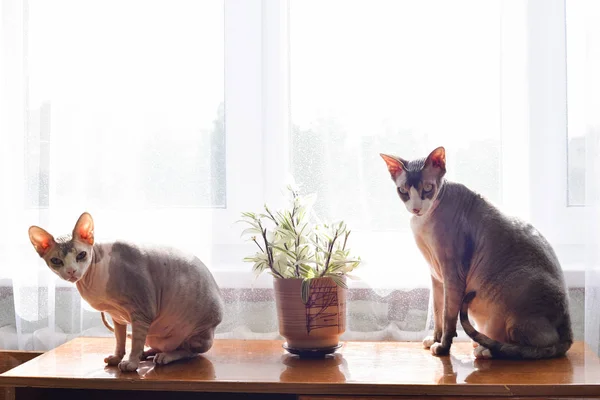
[115, 108]
[589, 97]
[166, 119]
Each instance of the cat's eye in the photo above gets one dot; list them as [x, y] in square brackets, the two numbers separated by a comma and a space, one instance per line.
[56, 261]
[81, 256]
[428, 187]
[402, 190]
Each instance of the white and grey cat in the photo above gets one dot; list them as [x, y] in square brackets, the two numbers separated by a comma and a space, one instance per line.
[170, 299]
[499, 268]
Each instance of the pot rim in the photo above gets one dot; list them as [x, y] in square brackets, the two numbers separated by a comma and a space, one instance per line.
[301, 279]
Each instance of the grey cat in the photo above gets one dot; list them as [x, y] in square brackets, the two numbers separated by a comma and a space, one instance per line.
[499, 268]
[170, 298]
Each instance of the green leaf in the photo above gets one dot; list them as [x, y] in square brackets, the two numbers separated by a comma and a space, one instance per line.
[338, 280]
[341, 263]
[306, 271]
[328, 237]
[305, 261]
[249, 215]
[302, 230]
[267, 216]
[320, 248]
[251, 231]
[259, 267]
[281, 217]
[286, 252]
[298, 243]
[305, 290]
[339, 253]
[251, 222]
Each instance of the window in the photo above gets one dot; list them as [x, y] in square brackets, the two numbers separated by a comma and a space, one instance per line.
[366, 85]
[406, 77]
[166, 119]
[552, 136]
[156, 125]
[580, 53]
[129, 112]
[127, 118]
[192, 122]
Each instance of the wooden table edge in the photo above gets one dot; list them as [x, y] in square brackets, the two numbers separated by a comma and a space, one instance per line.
[348, 388]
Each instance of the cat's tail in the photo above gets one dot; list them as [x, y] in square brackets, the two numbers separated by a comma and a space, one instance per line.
[108, 325]
[506, 350]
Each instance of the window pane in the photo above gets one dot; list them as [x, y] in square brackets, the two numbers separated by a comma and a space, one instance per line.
[578, 36]
[125, 103]
[399, 77]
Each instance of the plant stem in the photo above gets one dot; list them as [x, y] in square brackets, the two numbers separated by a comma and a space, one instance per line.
[261, 249]
[330, 250]
[297, 238]
[272, 217]
[345, 240]
[317, 253]
[269, 251]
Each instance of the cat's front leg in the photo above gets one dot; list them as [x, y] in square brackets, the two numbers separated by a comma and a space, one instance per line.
[453, 294]
[437, 292]
[120, 336]
[139, 330]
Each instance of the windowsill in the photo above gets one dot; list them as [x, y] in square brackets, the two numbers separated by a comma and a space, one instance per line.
[366, 369]
[574, 275]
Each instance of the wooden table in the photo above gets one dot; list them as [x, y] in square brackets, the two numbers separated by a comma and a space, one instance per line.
[360, 369]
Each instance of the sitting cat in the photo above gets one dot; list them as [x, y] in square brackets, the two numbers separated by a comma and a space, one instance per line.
[170, 299]
[521, 304]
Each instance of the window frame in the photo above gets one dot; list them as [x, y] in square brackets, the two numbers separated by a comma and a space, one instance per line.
[244, 121]
[258, 112]
[242, 93]
[533, 124]
[562, 224]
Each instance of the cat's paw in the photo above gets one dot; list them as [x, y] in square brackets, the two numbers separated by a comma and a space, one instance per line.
[482, 352]
[438, 350]
[113, 359]
[474, 343]
[148, 353]
[170, 356]
[428, 341]
[164, 358]
[128, 365]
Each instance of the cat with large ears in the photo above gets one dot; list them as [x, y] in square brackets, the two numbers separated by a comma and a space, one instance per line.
[170, 298]
[496, 268]
[67, 257]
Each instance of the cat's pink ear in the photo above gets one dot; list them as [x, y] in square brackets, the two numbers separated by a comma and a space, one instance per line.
[41, 240]
[437, 159]
[395, 165]
[84, 229]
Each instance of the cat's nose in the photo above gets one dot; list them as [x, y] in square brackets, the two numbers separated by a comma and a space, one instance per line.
[71, 272]
[416, 210]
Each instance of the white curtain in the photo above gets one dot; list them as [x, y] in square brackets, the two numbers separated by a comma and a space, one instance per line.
[590, 98]
[167, 119]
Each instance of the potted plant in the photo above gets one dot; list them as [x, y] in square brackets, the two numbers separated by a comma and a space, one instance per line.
[309, 262]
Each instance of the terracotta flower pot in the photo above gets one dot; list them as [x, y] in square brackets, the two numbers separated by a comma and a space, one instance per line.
[317, 324]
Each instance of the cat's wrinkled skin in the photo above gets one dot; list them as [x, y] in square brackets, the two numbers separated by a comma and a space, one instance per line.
[521, 303]
[170, 299]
